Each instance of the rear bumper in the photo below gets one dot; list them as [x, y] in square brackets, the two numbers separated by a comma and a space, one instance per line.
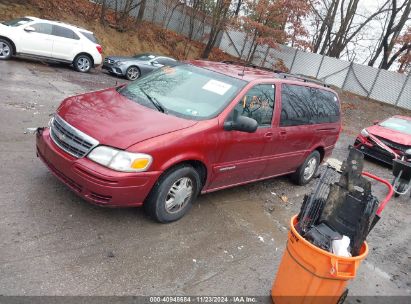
[94, 183]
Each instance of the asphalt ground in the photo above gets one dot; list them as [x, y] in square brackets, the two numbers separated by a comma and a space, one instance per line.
[54, 243]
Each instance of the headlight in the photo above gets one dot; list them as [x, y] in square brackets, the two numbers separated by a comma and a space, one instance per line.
[365, 133]
[120, 160]
[50, 123]
[118, 63]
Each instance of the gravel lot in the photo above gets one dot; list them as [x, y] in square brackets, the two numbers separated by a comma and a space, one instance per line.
[54, 243]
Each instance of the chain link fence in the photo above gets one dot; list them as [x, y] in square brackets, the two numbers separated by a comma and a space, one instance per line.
[173, 15]
[385, 86]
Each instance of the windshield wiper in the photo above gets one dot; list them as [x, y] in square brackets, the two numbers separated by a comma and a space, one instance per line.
[154, 101]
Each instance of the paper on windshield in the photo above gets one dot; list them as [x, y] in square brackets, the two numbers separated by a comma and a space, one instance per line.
[217, 87]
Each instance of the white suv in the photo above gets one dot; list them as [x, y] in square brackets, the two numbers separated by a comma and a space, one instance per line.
[44, 39]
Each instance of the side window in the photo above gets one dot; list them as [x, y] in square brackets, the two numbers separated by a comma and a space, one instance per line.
[326, 107]
[165, 61]
[43, 28]
[64, 32]
[302, 105]
[257, 103]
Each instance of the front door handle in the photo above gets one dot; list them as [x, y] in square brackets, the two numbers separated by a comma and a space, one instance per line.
[283, 133]
[269, 135]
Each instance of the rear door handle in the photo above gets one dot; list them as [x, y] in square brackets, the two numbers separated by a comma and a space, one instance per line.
[326, 129]
[269, 134]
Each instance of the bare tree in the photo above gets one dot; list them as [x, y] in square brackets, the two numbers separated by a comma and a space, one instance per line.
[340, 23]
[103, 12]
[220, 13]
[141, 10]
[196, 21]
[327, 21]
[398, 16]
[170, 7]
[238, 7]
[123, 9]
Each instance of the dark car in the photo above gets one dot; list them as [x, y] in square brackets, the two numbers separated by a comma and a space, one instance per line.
[194, 128]
[394, 132]
[136, 66]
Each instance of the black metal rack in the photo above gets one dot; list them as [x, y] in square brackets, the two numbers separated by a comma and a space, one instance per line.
[280, 74]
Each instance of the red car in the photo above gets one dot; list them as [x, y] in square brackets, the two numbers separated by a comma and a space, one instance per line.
[394, 132]
[194, 128]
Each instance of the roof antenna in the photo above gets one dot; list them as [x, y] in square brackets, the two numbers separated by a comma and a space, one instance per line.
[242, 73]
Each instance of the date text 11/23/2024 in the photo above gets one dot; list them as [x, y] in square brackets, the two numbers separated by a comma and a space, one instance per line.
[203, 299]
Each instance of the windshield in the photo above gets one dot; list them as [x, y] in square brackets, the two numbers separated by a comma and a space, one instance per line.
[17, 22]
[90, 36]
[144, 57]
[397, 124]
[185, 91]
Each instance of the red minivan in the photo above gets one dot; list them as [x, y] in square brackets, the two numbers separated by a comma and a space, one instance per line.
[194, 128]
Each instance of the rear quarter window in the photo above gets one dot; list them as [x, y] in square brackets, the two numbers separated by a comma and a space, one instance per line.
[301, 105]
[89, 36]
[64, 32]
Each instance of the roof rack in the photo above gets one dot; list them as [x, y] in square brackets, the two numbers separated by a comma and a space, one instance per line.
[301, 77]
[72, 25]
[249, 65]
[282, 73]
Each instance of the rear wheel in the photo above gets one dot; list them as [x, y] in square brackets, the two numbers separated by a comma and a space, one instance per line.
[82, 63]
[173, 195]
[6, 49]
[307, 170]
[133, 73]
[400, 188]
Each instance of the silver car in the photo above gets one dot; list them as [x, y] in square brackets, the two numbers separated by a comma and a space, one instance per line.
[136, 66]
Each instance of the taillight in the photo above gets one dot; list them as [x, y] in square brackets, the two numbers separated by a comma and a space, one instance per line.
[99, 49]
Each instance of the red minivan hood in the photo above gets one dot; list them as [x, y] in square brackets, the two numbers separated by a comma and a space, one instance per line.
[116, 121]
[395, 136]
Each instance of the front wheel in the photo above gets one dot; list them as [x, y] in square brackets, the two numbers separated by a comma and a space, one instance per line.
[6, 49]
[307, 170]
[172, 196]
[82, 63]
[133, 73]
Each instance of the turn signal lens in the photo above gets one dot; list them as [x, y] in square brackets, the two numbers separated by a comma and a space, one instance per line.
[140, 163]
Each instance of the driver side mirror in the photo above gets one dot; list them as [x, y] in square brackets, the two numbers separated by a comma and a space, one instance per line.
[376, 122]
[29, 29]
[242, 124]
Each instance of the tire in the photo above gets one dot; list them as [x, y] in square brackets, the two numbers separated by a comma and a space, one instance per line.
[307, 170]
[133, 73]
[82, 63]
[173, 194]
[6, 49]
[400, 188]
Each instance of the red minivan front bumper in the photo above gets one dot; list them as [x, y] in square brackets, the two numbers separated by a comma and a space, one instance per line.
[93, 182]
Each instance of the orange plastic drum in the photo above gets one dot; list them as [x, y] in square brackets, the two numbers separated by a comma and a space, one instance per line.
[308, 274]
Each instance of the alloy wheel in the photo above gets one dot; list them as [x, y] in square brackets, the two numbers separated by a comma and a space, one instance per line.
[133, 73]
[83, 64]
[4, 50]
